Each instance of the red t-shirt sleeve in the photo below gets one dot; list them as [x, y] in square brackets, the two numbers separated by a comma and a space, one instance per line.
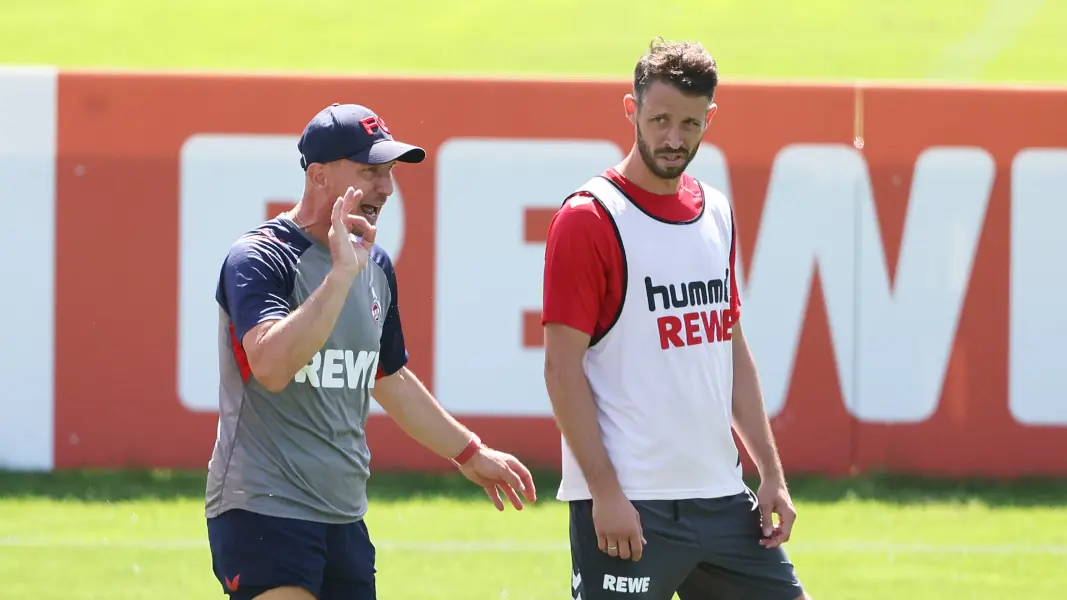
[735, 297]
[577, 263]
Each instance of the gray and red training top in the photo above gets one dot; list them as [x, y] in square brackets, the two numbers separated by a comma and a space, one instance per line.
[301, 452]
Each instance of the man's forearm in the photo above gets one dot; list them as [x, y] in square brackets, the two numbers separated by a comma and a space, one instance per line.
[288, 345]
[575, 412]
[750, 416]
[410, 404]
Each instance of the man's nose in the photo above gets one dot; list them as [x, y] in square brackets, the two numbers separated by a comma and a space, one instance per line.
[673, 140]
[384, 185]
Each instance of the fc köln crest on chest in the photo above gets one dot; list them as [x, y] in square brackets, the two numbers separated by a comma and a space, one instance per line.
[375, 306]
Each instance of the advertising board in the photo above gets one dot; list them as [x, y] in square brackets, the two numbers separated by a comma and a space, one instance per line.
[902, 299]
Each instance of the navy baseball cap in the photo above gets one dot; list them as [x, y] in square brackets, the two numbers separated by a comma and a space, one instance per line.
[354, 132]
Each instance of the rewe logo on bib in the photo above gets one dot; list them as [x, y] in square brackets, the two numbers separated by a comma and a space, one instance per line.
[698, 326]
[334, 369]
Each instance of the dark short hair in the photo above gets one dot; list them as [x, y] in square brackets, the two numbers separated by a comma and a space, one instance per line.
[685, 65]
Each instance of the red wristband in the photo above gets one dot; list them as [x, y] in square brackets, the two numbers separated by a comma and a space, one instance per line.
[468, 453]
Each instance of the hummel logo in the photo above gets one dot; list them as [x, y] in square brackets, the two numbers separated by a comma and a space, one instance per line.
[576, 580]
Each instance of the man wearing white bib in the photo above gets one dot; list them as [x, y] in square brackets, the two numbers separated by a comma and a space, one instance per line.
[649, 373]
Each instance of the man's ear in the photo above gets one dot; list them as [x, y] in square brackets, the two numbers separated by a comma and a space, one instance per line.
[316, 174]
[711, 113]
[629, 106]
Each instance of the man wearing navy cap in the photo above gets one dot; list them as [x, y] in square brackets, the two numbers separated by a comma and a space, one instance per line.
[309, 328]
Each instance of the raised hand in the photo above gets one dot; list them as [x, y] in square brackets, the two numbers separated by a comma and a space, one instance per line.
[350, 254]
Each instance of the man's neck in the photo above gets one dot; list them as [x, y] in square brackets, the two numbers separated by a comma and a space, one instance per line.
[304, 219]
[637, 172]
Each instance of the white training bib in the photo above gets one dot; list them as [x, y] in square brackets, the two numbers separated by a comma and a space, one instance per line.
[662, 376]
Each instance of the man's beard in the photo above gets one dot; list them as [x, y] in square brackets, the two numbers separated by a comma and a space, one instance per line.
[650, 159]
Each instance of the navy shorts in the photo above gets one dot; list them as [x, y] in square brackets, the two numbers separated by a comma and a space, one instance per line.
[253, 553]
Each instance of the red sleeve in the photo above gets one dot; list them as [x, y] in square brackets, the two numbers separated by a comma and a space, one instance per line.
[735, 297]
[577, 263]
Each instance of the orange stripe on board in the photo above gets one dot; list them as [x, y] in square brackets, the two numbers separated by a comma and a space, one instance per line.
[535, 224]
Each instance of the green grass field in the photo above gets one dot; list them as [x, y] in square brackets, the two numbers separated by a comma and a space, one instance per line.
[963, 40]
[140, 535]
[126, 536]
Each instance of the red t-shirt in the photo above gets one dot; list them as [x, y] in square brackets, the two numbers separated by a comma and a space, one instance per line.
[583, 279]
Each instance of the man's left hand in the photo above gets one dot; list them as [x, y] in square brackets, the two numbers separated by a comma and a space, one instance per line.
[774, 499]
[494, 471]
